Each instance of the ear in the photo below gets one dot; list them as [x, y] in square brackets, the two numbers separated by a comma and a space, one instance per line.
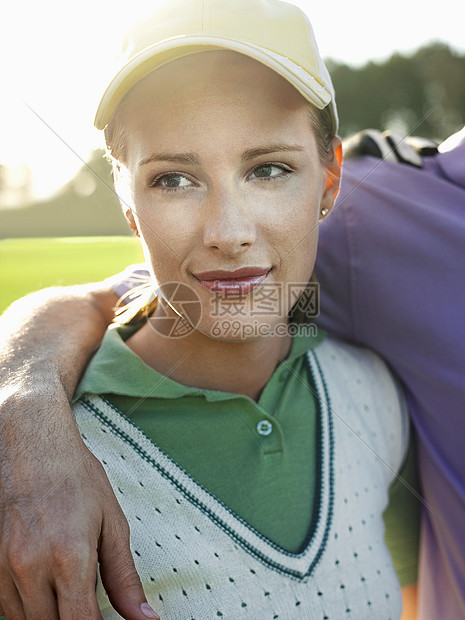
[332, 175]
[129, 215]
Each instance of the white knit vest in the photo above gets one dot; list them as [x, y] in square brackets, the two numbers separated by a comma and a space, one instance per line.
[198, 560]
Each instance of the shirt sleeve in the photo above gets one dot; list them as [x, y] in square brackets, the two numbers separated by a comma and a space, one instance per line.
[402, 520]
[131, 277]
[334, 274]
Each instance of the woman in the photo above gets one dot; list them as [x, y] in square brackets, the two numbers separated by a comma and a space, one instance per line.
[251, 455]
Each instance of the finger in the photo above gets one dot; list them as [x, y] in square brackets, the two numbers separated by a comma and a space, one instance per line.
[40, 606]
[11, 606]
[76, 572]
[27, 595]
[118, 572]
[37, 598]
[78, 605]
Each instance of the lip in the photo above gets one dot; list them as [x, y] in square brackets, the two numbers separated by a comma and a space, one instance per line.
[235, 283]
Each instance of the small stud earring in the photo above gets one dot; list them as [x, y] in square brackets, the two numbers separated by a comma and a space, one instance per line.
[324, 212]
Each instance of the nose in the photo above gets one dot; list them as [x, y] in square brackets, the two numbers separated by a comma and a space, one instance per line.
[228, 224]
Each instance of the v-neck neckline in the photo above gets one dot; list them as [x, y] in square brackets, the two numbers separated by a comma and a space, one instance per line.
[296, 565]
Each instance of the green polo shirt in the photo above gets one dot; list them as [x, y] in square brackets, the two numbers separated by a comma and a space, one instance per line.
[258, 458]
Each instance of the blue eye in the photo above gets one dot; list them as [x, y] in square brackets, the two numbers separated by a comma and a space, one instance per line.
[270, 171]
[171, 181]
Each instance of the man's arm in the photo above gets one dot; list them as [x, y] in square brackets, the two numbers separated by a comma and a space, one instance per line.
[58, 514]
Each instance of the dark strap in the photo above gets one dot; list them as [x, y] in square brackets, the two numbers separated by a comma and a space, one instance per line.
[390, 146]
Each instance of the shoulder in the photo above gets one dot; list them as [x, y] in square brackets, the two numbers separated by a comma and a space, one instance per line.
[347, 361]
[365, 397]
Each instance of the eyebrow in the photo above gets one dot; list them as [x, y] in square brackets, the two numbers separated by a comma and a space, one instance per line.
[277, 147]
[247, 155]
[177, 158]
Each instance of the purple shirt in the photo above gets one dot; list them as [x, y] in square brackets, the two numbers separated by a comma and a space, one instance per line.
[391, 266]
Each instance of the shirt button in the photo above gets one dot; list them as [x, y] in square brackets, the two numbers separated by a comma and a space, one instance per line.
[264, 428]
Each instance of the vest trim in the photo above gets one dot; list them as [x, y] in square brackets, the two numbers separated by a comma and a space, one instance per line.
[298, 566]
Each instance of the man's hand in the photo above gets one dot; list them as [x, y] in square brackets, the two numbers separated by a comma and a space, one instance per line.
[54, 530]
[59, 516]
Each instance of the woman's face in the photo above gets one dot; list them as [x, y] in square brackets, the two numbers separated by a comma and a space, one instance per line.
[224, 175]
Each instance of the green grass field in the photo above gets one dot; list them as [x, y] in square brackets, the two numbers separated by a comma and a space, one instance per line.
[28, 265]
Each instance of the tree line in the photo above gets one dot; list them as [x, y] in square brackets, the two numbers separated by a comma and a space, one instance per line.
[422, 94]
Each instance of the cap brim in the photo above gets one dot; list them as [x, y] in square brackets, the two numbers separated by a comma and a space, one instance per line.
[319, 93]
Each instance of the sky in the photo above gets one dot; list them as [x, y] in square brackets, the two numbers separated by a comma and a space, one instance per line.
[55, 55]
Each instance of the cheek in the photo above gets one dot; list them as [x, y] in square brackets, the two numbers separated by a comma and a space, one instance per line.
[298, 238]
[166, 241]
[296, 219]
[302, 258]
